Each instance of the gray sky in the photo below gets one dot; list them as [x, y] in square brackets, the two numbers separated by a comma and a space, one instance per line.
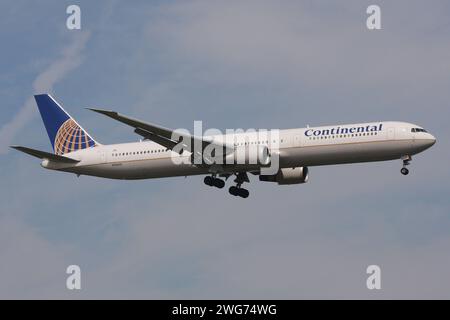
[231, 64]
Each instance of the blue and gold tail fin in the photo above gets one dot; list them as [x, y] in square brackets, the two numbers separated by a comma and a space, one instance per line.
[65, 134]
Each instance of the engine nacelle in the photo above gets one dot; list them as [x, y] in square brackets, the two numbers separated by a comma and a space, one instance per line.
[288, 176]
[257, 155]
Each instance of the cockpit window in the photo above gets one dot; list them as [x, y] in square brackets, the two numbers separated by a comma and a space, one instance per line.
[418, 130]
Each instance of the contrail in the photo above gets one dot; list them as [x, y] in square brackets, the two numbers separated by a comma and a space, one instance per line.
[44, 82]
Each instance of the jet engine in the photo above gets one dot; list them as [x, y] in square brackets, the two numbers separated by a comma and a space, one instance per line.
[288, 176]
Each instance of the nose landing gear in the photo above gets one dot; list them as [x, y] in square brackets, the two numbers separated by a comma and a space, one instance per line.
[406, 160]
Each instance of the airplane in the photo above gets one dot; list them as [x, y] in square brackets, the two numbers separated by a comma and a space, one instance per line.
[75, 151]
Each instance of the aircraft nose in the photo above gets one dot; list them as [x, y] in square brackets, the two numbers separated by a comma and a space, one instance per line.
[432, 140]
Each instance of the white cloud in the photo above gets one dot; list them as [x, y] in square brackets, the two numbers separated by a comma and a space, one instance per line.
[71, 57]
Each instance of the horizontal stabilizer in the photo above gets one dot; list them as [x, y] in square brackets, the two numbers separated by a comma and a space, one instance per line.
[45, 155]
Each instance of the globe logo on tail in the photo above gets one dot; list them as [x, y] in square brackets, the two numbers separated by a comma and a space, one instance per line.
[70, 137]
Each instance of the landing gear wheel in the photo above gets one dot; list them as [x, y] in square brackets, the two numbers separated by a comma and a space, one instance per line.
[236, 190]
[243, 193]
[233, 190]
[208, 181]
[218, 183]
[404, 171]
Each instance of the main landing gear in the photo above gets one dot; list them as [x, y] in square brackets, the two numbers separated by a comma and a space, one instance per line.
[406, 160]
[214, 182]
[236, 190]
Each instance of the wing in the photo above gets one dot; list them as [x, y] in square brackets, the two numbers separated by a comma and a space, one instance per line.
[45, 155]
[166, 137]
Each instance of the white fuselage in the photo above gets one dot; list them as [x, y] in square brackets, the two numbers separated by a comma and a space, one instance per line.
[301, 147]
